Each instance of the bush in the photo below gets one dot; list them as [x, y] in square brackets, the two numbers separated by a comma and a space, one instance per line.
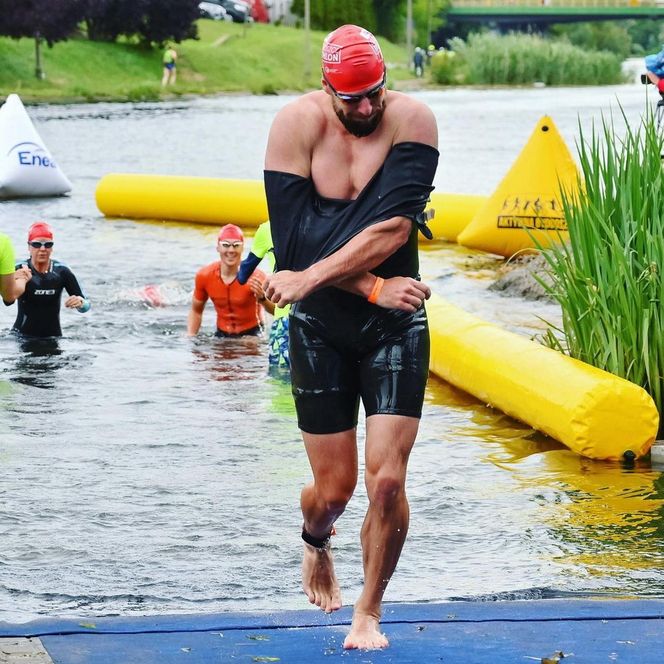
[518, 59]
[447, 68]
[609, 280]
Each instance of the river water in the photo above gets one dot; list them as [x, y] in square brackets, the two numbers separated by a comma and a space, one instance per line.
[144, 472]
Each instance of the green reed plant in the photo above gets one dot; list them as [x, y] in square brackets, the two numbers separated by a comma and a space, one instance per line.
[609, 278]
[518, 59]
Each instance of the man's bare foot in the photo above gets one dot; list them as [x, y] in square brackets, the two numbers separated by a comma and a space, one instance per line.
[365, 633]
[319, 581]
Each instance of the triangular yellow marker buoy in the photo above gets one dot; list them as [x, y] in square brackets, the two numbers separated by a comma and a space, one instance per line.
[526, 207]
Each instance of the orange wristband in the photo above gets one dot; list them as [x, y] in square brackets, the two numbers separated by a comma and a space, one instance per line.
[375, 291]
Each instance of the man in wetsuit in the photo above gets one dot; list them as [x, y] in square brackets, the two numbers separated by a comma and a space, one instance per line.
[348, 170]
[40, 282]
[238, 306]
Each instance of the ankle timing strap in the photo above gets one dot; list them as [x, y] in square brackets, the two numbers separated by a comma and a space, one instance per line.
[317, 542]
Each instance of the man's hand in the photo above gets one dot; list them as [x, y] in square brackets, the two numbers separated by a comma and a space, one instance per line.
[286, 287]
[403, 293]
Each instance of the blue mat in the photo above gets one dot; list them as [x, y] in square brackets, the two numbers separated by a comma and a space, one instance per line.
[584, 631]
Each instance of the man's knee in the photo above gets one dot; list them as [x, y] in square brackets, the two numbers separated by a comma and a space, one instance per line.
[385, 490]
[336, 498]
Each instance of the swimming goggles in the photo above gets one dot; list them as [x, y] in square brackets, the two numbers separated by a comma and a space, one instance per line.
[39, 245]
[228, 245]
[356, 99]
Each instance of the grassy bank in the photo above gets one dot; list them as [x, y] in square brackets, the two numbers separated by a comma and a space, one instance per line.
[228, 57]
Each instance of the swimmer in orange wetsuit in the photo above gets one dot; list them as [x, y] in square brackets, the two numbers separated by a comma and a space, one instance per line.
[239, 307]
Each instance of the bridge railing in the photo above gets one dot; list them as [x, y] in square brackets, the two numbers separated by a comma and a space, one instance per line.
[558, 3]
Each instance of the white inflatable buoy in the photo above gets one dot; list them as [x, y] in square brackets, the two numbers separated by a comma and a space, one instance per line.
[26, 166]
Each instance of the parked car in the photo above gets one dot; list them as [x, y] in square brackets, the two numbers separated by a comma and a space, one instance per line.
[214, 11]
[239, 11]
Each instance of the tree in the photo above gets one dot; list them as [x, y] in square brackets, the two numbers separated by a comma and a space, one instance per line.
[106, 20]
[596, 36]
[154, 21]
[428, 17]
[44, 20]
[169, 19]
[330, 14]
[391, 19]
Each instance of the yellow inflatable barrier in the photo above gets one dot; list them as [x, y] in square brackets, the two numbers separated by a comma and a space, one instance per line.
[594, 413]
[526, 207]
[204, 200]
[221, 201]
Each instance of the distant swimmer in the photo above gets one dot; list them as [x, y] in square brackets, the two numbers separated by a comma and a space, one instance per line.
[239, 306]
[348, 173]
[40, 282]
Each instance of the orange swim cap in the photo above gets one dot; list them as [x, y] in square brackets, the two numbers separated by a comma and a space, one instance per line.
[230, 232]
[40, 229]
[352, 60]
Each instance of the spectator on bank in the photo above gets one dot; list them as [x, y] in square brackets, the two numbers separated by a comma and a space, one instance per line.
[418, 61]
[170, 70]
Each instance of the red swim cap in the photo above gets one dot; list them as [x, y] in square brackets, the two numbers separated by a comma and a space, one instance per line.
[352, 60]
[230, 232]
[660, 85]
[40, 229]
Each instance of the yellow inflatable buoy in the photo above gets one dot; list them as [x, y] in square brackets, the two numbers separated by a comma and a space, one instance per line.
[593, 412]
[526, 207]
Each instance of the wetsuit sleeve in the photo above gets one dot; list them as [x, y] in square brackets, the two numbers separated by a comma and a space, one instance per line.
[289, 198]
[247, 266]
[74, 288]
[307, 228]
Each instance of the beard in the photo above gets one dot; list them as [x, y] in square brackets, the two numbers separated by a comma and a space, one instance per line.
[360, 127]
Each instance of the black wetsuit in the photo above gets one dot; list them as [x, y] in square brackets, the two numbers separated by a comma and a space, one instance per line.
[39, 306]
[342, 347]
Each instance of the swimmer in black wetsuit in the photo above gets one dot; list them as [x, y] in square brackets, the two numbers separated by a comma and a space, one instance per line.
[41, 281]
[348, 172]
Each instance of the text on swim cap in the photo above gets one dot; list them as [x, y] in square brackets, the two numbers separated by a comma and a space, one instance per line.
[331, 53]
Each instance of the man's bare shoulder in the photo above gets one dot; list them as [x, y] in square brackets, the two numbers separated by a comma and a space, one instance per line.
[294, 132]
[306, 110]
[414, 120]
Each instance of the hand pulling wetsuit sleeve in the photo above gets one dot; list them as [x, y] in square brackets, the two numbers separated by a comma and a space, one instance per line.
[307, 227]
